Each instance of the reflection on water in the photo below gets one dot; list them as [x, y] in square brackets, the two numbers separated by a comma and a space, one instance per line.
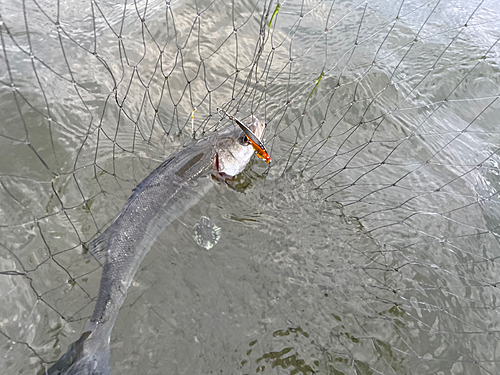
[369, 246]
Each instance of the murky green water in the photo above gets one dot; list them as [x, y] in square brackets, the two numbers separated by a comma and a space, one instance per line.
[369, 246]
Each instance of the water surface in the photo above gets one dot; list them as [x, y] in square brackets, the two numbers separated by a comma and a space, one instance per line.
[369, 246]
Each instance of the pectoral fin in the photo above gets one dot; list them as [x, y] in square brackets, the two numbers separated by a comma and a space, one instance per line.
[98, 248]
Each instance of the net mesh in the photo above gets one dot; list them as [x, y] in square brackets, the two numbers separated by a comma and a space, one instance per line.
[382, 126]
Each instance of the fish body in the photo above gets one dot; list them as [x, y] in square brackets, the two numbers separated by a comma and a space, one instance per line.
[170, 190]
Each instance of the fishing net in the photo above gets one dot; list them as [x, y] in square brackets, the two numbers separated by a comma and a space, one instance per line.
[368, 246]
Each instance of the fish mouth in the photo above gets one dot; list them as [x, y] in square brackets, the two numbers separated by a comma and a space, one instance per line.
[257, 127]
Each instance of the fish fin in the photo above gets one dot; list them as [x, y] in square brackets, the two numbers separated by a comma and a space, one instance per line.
[99, 247]
[85, 356]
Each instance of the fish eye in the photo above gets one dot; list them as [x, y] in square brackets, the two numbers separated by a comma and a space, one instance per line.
[244, 140]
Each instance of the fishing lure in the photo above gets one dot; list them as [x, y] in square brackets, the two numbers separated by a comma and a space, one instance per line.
[252, 138]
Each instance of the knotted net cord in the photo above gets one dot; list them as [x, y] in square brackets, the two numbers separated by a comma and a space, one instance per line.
[382, 113]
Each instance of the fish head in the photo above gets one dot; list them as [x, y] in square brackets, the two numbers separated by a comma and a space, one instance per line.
[233, 150]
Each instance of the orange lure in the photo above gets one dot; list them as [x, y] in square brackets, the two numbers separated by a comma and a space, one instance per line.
[256, 143]
[261, 152]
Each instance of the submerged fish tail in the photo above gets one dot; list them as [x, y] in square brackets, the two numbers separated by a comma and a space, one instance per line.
[87, 356]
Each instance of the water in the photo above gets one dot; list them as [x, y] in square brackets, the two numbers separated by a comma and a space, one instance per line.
[369, 246]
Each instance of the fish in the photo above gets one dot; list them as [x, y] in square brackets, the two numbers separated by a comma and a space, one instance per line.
[170, 190]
